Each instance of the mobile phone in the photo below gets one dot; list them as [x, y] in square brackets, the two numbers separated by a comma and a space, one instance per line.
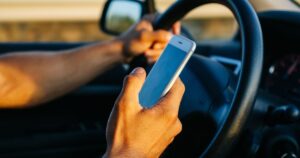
[166, 70]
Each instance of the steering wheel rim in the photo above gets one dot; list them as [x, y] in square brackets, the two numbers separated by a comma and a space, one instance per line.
[252, 63]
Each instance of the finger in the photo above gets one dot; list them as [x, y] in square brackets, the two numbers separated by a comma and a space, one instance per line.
[175, 128]
[171, 101]
[176, 28]
[132, 85]
[159, 45]
[153, 53]
[156, 36]
[144, 25]
[152, 59]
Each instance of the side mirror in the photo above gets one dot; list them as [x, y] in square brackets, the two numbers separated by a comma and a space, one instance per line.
[119, 15]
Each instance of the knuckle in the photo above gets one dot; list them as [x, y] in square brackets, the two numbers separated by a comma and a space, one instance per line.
[143, 35]
[129, 79]
[160, 34]
[145, 23]
[170, 115]
[181, 86]
[124, 100]
[163, 33]
[120, 106]
[178, 126]
[124, 104]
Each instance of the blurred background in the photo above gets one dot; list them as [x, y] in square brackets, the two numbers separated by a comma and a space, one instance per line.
[77, 20]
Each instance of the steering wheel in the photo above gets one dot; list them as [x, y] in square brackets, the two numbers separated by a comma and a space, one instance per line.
[229, 115]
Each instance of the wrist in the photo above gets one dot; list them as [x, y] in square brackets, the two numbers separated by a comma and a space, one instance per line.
[116, 49]
[120, 48]
[124, 49]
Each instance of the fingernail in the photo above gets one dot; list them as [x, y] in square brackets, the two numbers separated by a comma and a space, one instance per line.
[138, 70]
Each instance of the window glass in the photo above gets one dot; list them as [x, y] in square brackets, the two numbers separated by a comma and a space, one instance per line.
[50, 20]
[77, 20]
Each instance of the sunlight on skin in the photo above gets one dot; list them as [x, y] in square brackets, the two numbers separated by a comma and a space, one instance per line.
[32, 78]
[15, 85]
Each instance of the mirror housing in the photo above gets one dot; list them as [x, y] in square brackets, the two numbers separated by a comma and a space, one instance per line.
[119, 15]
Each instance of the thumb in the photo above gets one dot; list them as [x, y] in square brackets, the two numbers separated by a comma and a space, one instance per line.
[171, 101]
[133, 84]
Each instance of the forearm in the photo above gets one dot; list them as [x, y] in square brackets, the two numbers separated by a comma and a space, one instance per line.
[126, 154]
[36, 77]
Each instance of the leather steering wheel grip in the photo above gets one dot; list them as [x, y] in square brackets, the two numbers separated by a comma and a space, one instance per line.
[252, 63]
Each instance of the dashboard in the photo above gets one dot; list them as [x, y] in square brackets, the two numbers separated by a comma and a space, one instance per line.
[281, 73]
[274, 125]
[282, 77]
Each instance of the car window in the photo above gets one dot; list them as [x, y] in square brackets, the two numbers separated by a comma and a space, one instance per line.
[50, 20]
[77, 21]
[208, 22]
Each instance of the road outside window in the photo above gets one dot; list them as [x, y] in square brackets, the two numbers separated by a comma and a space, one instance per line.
[77, 21]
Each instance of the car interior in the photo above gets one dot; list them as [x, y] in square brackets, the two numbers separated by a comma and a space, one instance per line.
[242, 95]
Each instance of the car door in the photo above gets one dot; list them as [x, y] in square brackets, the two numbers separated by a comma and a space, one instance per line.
[72, 125]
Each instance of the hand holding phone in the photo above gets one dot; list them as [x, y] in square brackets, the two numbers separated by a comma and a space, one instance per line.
[166, 70]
